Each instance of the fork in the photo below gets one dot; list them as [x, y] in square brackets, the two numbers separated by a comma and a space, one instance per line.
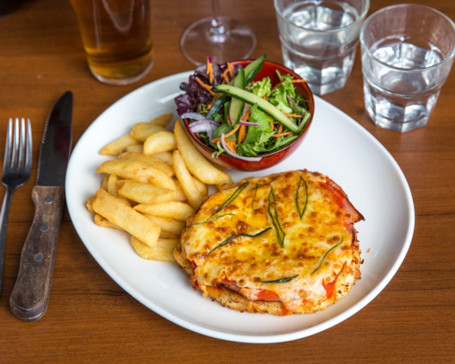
[17, 166]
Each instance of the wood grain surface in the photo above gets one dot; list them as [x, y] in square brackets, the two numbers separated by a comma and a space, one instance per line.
[90, 319]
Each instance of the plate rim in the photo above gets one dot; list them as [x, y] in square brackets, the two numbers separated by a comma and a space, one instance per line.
[245, 338]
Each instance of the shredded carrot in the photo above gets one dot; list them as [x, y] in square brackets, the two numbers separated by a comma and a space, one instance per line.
[231, 145]
[277, 135]
[278, 84]
[298, 81]
[280, 129]
[242, 133]
[246, 117]
[209, 106]
[224, 75]
[272, 126]
[216, 140]
[207, 87]
[210, 70]
[292, 115]
[231, 69]
[232, 131]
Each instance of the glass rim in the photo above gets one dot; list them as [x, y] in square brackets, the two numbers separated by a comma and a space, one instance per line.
[366, 49]
[361, 18]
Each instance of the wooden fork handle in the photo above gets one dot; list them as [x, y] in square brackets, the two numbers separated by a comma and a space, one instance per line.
[30, 295]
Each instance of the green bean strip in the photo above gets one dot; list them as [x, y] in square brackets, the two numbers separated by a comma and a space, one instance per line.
[214, 219]
[325, 255]
[265, 184]
[237, 235]
[281, 280]
[258, 186]
[299, 210]
[274, 216]
[254, 196]
[231, 198]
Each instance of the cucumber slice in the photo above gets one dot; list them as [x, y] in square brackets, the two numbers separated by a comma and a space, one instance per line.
[217, 105]
[236, 107]
[252, 99]
[253, 68]
[250, 71]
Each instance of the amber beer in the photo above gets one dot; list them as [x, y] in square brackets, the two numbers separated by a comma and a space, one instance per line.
[117, 38]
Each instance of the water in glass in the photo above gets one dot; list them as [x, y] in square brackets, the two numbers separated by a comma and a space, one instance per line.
[391, 94]
[318, 42]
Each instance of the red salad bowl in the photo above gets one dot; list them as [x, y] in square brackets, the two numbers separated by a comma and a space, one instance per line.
[268, 159]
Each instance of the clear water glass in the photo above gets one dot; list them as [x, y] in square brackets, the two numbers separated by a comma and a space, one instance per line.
[319, 39]
[407, 54]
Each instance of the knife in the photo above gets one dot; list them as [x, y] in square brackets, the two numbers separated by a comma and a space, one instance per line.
[30, 295]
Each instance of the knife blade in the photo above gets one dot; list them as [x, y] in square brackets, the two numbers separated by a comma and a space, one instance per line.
[30, 295]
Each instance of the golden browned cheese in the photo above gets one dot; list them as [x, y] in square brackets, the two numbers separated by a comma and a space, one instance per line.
[283, 243]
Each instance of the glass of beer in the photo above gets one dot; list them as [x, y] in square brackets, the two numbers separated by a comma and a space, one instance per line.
[117, 38]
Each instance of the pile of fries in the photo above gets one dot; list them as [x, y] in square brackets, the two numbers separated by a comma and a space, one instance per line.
[157, 180]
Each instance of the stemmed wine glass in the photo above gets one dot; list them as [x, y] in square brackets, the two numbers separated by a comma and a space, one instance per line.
[222, 38]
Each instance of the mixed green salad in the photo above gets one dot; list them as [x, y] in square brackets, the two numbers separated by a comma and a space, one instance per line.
[231, 113]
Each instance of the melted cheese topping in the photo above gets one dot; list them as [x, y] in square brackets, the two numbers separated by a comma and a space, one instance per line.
[234, 238]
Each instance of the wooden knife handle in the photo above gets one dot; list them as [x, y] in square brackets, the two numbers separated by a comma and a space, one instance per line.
[30, 294]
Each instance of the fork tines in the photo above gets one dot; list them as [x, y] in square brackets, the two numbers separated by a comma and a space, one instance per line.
[20, 153]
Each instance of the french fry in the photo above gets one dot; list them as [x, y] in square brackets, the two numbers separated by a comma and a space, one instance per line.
[89, 203]
[186, 181]
[165, 157]
[138, 171]
[137, 148]
[172, 209]
[150, 160]
[156, 182]
[133, 222]
[112, 185]
[104, 182]
[166, 224]
[195, 161]
[101, 221]
[161, 141]
[168, 235]
[179, 194]
[163, 251]
[161, 120]
[119, 145]
[145, 193]
[141, 131]
[202, 187]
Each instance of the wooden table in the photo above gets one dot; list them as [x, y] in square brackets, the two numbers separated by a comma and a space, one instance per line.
[91, 319]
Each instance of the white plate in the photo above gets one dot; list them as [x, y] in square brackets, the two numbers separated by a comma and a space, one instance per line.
[336, 145]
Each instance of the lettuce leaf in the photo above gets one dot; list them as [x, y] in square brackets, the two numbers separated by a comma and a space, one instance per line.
[262, 87]
[279, 95]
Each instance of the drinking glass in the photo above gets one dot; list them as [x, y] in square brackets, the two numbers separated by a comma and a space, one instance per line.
[407, 54]
[117, 38]
[219, 37]
[319, 39]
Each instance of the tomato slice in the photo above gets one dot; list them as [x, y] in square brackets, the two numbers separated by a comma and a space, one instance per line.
[262, 294]
[342, 200]
[266, 295]
[330, 287]
[229, 284]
